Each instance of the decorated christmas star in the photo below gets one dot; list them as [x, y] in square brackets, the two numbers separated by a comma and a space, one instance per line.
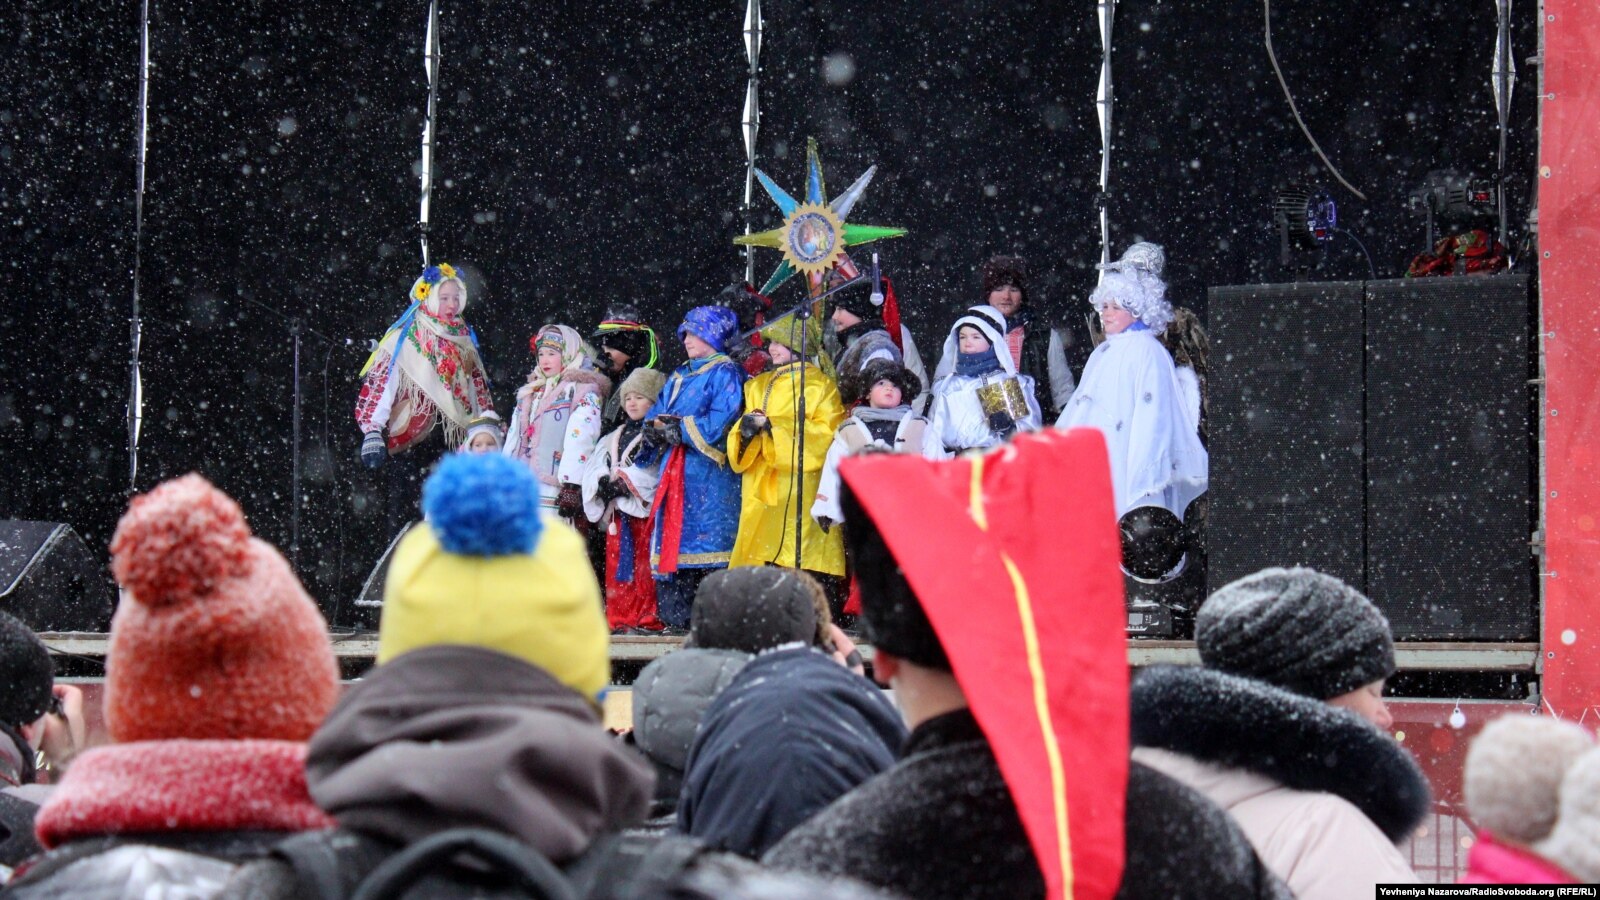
[814, 234]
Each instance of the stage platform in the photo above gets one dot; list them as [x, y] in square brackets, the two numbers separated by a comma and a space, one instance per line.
[638, 651]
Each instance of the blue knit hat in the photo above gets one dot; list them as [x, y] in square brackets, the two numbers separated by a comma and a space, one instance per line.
[716, 325]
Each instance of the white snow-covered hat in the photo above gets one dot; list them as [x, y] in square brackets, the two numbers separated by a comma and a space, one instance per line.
[1134, 283]
[1512, 777]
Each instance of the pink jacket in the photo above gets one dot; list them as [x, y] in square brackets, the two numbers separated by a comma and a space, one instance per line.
[1493, 862]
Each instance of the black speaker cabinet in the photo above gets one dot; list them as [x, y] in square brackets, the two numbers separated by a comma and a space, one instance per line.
[1379, 431]
[1449, 486]
[1286, 430]
[49, 579]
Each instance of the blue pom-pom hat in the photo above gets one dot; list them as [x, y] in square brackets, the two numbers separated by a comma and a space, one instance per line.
[486, 568]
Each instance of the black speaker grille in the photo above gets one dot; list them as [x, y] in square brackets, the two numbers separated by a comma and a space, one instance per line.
[1286, 430]
[1448, 490]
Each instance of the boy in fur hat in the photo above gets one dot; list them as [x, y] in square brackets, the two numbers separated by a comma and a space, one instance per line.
[617, 495]
[885, 423]
[556, 421]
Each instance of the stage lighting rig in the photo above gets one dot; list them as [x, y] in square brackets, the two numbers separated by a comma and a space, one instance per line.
[1306, 220]
[1450, 198]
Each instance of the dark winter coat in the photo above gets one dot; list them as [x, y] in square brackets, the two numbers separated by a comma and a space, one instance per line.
[139, 819]
[460, 737]
[792, 733]
[942, 824]
[19, 800]
[670, 697]
[456, 736]
[1323, 794]
[1035, 361]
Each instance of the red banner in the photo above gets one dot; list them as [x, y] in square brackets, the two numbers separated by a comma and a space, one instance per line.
[1014, 558]
[1569, 232]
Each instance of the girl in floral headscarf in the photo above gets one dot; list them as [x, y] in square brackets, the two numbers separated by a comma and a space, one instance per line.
[425, 371]
[556, 422]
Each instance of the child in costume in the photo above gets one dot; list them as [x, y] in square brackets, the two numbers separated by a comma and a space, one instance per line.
[779, 485]
[556, 421]
[885, 423]
[982, 402]
[617, 495]
[484, 435]
[426, 370]
[696, 510]
[625, 344]
[1131, 392]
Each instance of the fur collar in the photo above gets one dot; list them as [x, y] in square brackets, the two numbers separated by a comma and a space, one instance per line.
[1299, 742]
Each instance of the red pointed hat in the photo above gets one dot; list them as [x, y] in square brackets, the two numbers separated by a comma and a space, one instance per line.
[1014, 556]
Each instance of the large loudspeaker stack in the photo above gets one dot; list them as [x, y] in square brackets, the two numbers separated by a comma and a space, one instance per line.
[50, 581]
[1379, 431]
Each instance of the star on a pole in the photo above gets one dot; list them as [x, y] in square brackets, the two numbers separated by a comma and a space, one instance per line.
[815, 234]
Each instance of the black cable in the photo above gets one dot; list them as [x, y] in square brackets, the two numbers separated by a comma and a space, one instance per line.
[1371, 269]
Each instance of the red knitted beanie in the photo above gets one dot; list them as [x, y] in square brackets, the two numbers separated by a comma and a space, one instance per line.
[214, 637]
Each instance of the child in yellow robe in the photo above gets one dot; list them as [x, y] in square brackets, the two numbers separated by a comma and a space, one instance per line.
[765, 448]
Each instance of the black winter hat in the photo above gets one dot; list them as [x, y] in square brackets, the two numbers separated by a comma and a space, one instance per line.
[27, 673]
[855, 297]
[1297, 629]
[753, 608]
[887, 369]
[894, 618]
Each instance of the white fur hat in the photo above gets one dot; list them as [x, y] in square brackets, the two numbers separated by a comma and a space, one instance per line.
[1513, 773]
[1574, 844]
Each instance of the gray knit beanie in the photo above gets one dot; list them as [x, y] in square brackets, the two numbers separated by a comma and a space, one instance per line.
[1298, 629]
[1574, 844]
[1514, 770]
[752, 609]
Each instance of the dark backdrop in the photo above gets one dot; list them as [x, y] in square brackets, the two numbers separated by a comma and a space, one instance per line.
[593, 154]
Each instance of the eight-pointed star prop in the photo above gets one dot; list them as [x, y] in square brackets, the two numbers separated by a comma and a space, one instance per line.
[814, 234]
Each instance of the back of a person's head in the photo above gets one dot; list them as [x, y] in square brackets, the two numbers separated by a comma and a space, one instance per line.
[26, 674]
[1297, 629]
[894, 619]
[488, 569]
[1574, 843]
[1512, 778]
[670, 697]
[753, 609]
[214, 637]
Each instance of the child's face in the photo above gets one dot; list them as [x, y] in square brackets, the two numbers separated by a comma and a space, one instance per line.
[971, 340]
[635, 405]
[696, 348]
[449, 300]
[1114, 319]
[885, 394]
[549, 360]
[482, 442]
[781, 355]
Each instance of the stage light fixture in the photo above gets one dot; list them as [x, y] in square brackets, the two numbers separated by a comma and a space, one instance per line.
[1306, 219]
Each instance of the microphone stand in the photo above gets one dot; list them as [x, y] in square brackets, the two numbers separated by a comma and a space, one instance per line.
[803, 316]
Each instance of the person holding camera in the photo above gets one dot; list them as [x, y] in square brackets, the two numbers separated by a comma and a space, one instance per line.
[44, 729]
